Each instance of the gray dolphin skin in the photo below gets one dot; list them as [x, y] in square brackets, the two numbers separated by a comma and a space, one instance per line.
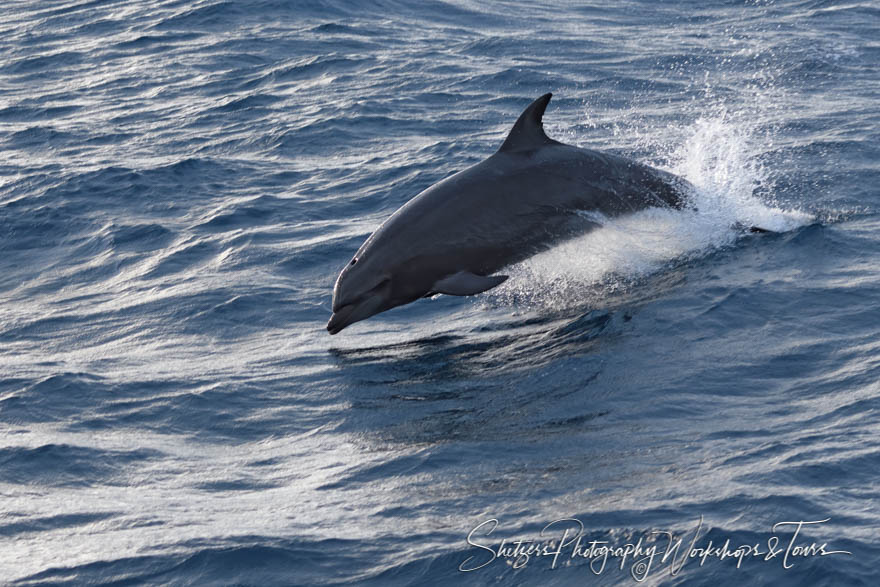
[528, 196]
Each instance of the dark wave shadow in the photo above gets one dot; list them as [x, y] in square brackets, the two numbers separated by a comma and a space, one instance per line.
[516, 344]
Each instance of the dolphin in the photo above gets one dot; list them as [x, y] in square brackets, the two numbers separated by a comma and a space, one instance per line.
[452, 238]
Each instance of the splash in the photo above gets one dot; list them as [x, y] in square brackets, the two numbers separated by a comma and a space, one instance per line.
[721, 156]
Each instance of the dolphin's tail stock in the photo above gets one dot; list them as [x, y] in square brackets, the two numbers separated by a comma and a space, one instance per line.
[753, 229]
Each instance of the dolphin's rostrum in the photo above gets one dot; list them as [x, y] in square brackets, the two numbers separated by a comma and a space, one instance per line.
[455, 235]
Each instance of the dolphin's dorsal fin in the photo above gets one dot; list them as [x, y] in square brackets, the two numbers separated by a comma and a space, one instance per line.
[528, 132]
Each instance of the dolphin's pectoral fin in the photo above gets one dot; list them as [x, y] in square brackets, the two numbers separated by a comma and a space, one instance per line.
[465, 283]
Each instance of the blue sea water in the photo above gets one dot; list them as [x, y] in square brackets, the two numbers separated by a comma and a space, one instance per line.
[181, 182]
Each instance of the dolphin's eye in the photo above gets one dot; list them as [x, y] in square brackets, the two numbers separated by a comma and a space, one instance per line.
[353, 261]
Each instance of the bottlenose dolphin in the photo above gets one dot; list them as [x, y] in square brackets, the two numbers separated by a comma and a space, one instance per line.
[531, 194]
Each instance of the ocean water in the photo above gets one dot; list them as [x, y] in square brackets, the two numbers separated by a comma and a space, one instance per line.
[181, 182]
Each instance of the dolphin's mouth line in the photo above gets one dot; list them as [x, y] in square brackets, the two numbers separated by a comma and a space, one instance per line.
[338, 318]
[359, 308]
